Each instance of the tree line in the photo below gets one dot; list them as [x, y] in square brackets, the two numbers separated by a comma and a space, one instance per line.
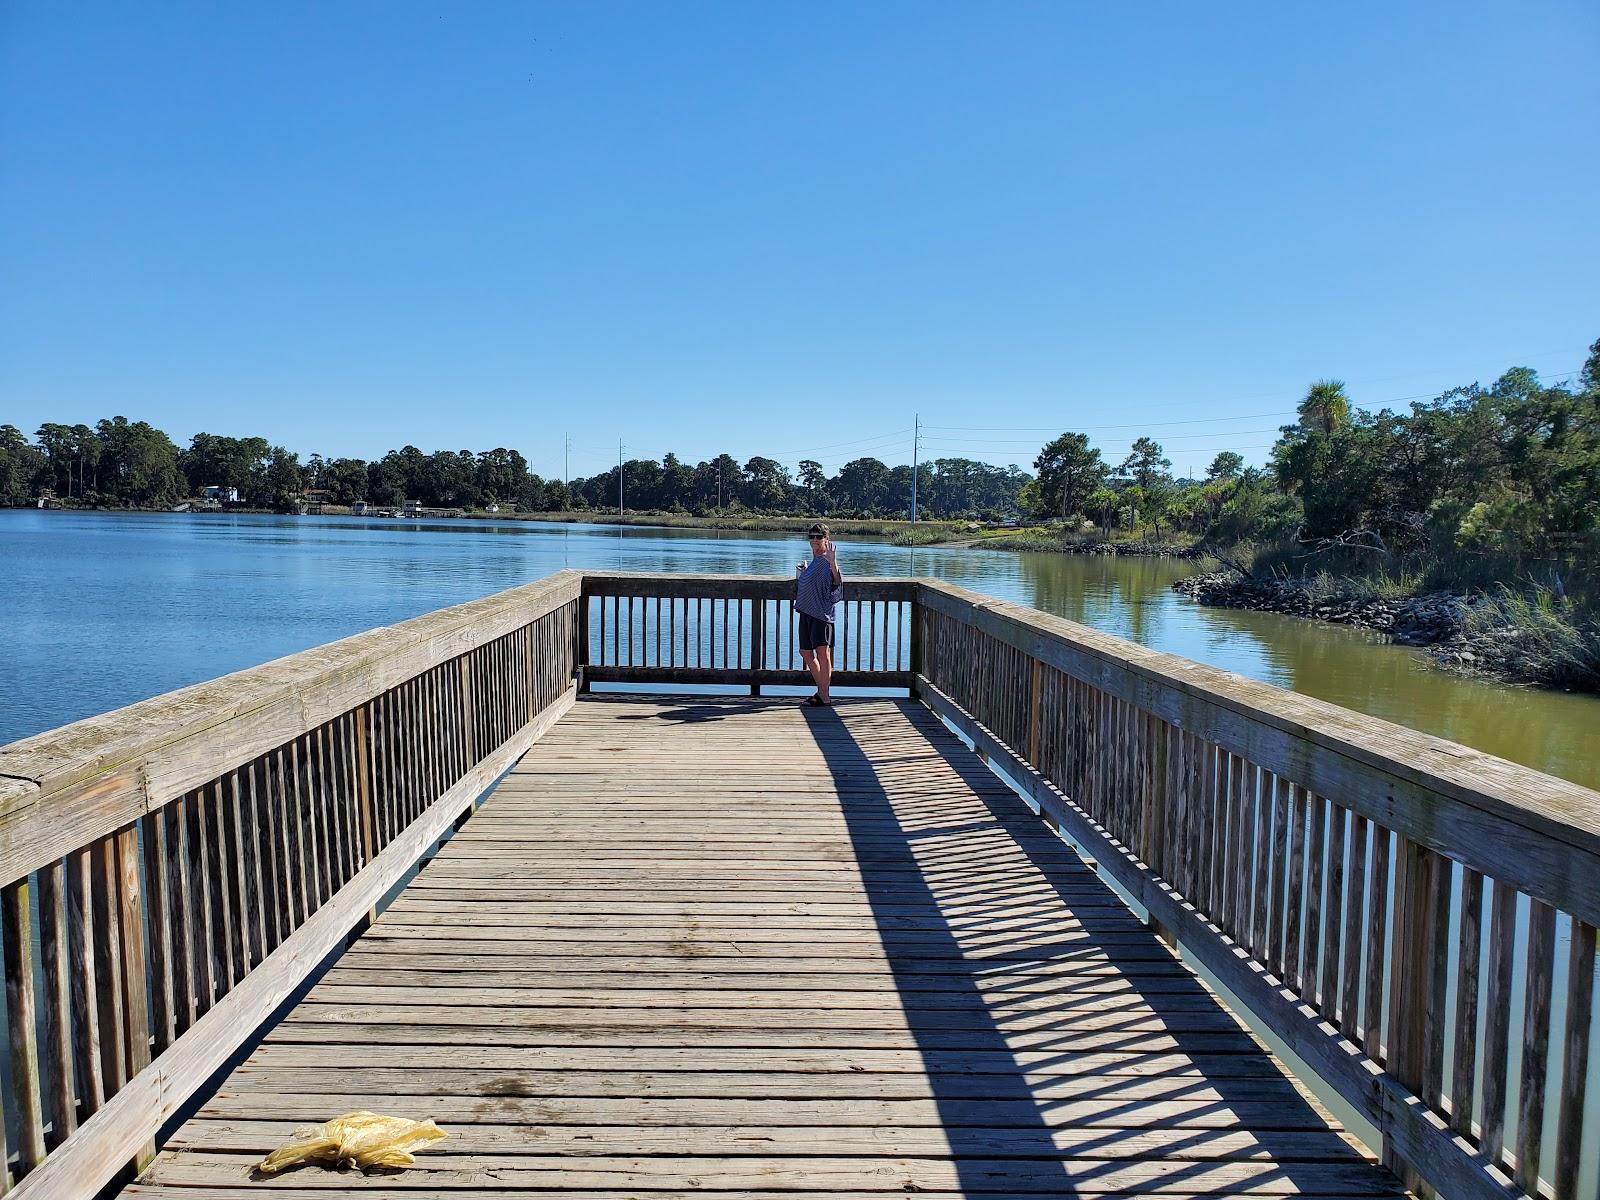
[1512, 469]
[1507, 474]
[122, 463]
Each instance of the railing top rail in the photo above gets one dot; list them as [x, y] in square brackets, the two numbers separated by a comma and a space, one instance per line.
[737, 586]
[104, 771]
[1529, 828]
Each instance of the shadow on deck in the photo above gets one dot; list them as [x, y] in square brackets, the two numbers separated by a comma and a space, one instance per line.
[740, 946]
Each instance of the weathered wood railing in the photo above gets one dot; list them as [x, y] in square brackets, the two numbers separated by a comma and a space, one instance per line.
[1380, 900]
[1311, 859]
[722, 629]
[183, 864]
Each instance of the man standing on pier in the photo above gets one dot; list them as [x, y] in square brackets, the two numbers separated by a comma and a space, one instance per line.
[818, 586]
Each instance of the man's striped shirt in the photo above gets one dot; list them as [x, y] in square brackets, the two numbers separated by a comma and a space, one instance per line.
[815, 593]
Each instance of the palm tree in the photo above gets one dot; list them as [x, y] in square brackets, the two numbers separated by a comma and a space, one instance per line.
[1326, 407]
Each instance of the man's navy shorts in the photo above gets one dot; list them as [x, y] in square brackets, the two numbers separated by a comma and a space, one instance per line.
[814, 632]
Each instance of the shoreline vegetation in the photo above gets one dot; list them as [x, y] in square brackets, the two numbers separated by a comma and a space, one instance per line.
[1472, 519]
[1529, 634]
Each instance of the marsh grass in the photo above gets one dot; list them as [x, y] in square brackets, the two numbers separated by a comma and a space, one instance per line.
[920, 535]
[1533, 636]
[845, 527]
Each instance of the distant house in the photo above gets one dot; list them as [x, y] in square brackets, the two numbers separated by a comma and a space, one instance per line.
[413, 508]
[491, 508]
[221, 494]
[358, 509]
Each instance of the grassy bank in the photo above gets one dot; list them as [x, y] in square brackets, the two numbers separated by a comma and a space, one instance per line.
[1528, 636]
[925, 532]
[1045, 540]
[1511, 620]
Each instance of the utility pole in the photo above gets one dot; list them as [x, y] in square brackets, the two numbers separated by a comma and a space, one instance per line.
[719, 483]
[916, 439]
[566, 465]
[619, 478]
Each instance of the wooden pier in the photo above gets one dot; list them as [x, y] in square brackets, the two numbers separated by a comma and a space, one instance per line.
[738, 945]
[693, 943]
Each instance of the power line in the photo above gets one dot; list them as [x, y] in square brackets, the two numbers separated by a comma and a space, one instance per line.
[856, 442]
[1174, 437]
[1368, 407]
[1097, 428]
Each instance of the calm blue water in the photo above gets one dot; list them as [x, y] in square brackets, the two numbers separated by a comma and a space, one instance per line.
[105, 609]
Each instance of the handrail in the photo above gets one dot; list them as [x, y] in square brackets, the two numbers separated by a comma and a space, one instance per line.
[187, 861]
[1311, 857]
[737, 629]
[209, 847]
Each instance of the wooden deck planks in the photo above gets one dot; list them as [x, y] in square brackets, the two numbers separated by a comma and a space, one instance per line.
[701, 945]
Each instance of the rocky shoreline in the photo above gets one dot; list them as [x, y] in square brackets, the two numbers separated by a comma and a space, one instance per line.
[1468, 634]
[1434, 620]
[1428, 619]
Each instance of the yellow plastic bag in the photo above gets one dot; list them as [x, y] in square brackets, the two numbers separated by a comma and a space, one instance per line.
[362, 1139]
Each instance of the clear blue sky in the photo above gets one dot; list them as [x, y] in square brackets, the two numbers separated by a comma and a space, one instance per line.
[768, 228]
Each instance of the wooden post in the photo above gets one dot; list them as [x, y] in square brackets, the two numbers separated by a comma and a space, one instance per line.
[758, 643]
[135, 1006]
[16, 930]
[581, 646]
[1410, 957]
[1156, 816]
[1035, 687]
[369, 849]
[56, 955]
[469, 733]
[916, 637]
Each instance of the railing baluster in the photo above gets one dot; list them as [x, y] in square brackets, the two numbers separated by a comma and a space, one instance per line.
[85, 986]
[1229, 837]
[1575, 1060]
[1350, 998]
[16, 931]
[1535, 1043]
[131, 942]
[238, 876]
[1295, 892]
[1260, 788]
[56, 962]
[1278, 878]
[1469, 951]
[1497, 1020]
[1333, 913]
[1434, 961]
[1377, 940]
[1311, 941]
[887, 606]
[220, 911]
[103, 880]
